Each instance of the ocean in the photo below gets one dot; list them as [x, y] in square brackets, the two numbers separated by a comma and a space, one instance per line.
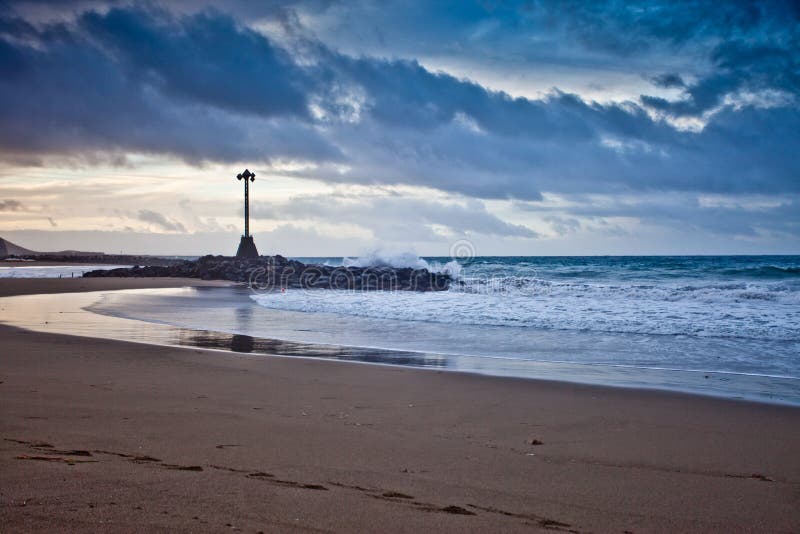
[717, 325]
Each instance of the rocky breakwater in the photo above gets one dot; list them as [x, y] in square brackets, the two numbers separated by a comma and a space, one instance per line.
[277, 273]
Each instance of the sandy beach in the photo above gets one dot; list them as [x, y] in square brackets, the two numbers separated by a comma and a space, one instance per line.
[101, 435]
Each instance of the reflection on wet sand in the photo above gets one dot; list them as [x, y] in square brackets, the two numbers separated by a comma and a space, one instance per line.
[240, 343]
[247, 344]
[66, 314]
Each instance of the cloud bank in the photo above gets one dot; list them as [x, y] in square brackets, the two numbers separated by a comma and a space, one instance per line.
[107, 80]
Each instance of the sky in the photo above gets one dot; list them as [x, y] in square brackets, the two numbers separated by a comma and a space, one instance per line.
[519, 128]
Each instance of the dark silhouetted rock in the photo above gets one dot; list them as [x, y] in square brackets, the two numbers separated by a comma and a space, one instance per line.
[277, 272]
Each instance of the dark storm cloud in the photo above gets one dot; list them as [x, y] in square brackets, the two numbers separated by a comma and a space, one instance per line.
[668, 80]
[739, 66]
[626, 27]
[739, 151]
[10, 205]
[204, 58]
[682, 213]
[204, 87]
[394, 218]
[725, 47]
[562, 225]
[160, 221]
[84, 88]
[750, 46]
[753, 48]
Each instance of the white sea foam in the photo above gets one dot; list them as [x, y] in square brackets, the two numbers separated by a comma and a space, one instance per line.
[400, 260]
[764, 310]
[382, 258]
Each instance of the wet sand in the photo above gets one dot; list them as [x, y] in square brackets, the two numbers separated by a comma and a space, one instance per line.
[37, 286]
[100, 435]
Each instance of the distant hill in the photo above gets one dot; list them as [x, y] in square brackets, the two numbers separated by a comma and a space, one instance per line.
[7, 248]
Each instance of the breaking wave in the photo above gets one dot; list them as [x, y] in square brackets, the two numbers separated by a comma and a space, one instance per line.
[400, 260]
[765, 272]
[698, 297]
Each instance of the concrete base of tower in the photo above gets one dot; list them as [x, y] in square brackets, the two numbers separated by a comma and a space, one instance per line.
[247, 248]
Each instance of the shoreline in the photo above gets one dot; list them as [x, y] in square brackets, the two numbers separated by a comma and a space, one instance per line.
[192, 439]
[10, 287]
[121, 327]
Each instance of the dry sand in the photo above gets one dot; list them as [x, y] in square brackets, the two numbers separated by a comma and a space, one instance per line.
[98, 435]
